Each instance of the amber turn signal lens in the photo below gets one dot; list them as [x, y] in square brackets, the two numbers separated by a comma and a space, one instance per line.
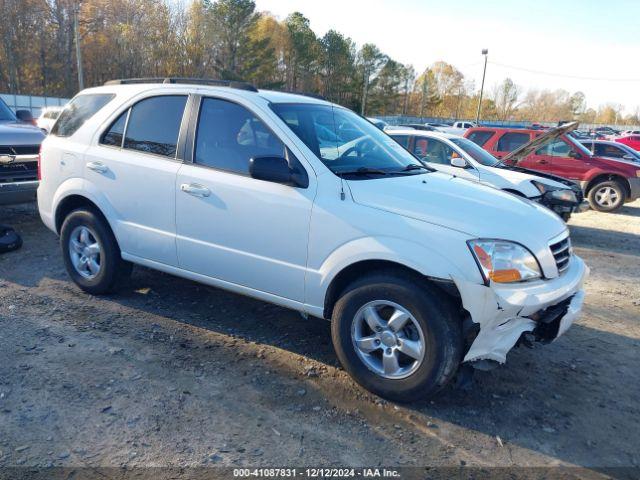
[505, 276]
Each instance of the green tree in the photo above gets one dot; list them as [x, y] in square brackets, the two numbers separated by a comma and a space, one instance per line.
[337, 66]
[302, 58]
[370, 61]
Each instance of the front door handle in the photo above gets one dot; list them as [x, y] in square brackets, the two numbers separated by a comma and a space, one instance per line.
[543, 162]
[195, 189]
[97, 167]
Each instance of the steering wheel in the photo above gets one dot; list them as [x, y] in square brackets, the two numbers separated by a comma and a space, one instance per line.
[361, 148]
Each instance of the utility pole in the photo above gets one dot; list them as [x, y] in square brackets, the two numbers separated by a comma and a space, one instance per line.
[76, 11]
[484, 72]
[459, 99]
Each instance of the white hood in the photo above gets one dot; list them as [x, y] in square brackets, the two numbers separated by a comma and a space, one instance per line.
[505, 178]
[477, 210]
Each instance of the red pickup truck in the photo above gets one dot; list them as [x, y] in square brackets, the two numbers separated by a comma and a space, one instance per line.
[607, 183]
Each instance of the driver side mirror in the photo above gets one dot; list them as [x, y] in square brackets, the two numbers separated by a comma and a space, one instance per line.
[574, 154]
[627, 157]
[277, 170]
[459, 162]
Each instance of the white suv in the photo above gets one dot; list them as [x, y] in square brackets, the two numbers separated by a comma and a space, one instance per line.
[299, 202]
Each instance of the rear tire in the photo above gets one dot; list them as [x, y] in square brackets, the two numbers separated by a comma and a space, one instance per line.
[431, 321]
[607, 196]
[91, 253]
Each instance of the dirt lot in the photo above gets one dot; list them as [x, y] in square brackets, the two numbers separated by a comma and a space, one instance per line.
[172, 373]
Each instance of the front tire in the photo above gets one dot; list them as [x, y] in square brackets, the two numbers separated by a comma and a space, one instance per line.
[91, 253]
[396, 338]
[607, 196]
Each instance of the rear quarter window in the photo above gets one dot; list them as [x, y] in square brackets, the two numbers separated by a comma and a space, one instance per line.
[512, 140]
[79, 110]
[481, 137]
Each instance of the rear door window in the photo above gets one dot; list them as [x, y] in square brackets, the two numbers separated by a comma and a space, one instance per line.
[78, 111]
[480, 137]
[154, 125]
[512, 140]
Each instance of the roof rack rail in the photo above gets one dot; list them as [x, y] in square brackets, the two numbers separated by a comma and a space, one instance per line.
[306, 94]
[196, 81]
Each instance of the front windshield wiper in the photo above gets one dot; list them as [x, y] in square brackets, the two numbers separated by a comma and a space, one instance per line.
[416, 166]
[363, 171]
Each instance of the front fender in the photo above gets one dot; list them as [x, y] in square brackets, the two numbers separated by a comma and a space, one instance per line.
[444, 264]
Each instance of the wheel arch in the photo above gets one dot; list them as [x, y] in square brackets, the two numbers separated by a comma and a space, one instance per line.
[73, 202]
[605, 177]
[358, 269]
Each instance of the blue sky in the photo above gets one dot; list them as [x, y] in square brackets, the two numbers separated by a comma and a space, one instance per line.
[598, 41]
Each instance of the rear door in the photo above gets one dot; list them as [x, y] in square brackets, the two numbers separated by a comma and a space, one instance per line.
[133, 166]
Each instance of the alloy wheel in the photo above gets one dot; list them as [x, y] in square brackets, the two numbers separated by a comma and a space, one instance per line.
[85, 252]
[607, 197]
[388, 339]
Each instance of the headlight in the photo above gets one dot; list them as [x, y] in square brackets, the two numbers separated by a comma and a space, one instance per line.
[562, 194]
[504, 262]
[542, 188]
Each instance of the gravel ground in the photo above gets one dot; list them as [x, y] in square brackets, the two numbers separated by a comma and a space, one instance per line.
[172, 373]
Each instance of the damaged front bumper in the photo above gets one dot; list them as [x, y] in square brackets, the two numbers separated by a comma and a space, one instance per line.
[503, 312]
[563, 207]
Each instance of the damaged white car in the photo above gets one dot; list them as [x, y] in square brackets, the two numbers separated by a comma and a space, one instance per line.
[461, 157]
[302, 203]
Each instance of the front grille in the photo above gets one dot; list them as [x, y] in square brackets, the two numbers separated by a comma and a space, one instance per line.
[19, 150]
[562, 252]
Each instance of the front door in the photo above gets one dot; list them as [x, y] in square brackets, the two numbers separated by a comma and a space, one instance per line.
[230, 226]
[560, 158]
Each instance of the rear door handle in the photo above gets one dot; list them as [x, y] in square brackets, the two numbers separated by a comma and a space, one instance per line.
[195, 189]
[97, 167]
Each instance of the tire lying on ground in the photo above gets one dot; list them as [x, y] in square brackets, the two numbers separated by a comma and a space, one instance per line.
[9, 239]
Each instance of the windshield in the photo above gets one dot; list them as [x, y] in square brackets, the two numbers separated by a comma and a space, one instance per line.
[479, 154]
[584, 150]
[345, 142]
[5, 112]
